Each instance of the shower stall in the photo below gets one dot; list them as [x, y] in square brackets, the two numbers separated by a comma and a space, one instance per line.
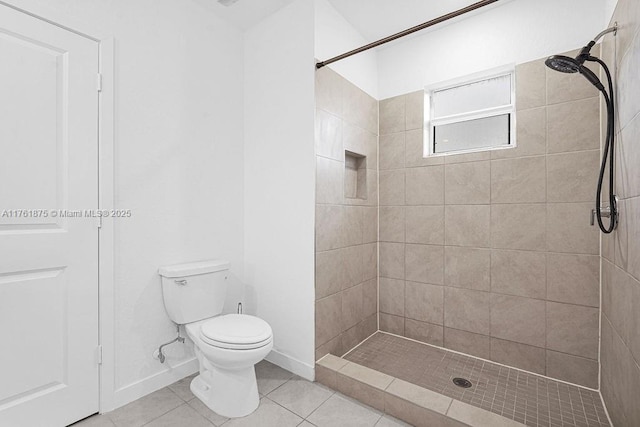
[473, 275]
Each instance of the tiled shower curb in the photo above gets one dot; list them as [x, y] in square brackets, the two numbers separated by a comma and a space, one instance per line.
[410, 403]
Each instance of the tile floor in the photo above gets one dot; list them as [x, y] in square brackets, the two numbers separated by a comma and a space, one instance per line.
[529, 399]
[286, 400]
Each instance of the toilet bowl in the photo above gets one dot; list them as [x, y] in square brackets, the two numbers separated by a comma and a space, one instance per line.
[227, 348]
[227, 345]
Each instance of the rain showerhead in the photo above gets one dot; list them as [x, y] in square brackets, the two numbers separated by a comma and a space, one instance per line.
[562, 63]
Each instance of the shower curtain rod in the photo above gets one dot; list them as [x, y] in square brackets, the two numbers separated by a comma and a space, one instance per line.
[411, 30]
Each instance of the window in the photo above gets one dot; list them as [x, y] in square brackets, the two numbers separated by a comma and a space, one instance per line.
[475, 113]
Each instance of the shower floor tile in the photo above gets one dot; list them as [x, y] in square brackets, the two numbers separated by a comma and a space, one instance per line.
[527, 398]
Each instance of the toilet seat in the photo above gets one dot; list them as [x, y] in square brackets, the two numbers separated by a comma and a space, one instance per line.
[236, 332]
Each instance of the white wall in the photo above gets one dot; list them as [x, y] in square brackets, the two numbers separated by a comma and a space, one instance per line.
[280, 180]
[178, 162]
[335, 36]
[509, 33]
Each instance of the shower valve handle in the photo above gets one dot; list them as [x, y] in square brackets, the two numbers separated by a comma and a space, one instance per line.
[605, 212]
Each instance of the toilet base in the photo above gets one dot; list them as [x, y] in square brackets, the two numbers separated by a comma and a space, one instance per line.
[230, 393]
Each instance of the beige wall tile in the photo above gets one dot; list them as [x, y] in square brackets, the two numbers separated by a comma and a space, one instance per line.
[467, 268]
[467, 310]
[367, 327]
[425, 186]
[350, 338]
[467, 225]
[329, 136]
[392, 296]
[353, 267]
[518, 226]
[563, 87]
[519, 355]
[573, 369]
[370, 298]
[352, 309]
[530, 85]
[572, 177]
[468, 157]
[573, 126]
[392, 221]
[467, 342]
[467, 183]
[414, 150]
[568, 228]
[361, 141]
[424, 302]
[518, 319]
[572, 329]
[573, 279]
[621, 236]
[531, 135]
[424, 224]
[392, 260]
[392, 324]
[369, 224]
[359, 108]
[329, 91]
[333, 346]
[629, 159]
[330, 274]
[633, 236]
[329, 227]
[329, 181]
[423, 332]
[392, 115]
[392, 187]
[414, 110]
[328, 318]
[369, 261]
[521, 180]
[521, 273]
[392, 151]
[352, 227]
[424, 263]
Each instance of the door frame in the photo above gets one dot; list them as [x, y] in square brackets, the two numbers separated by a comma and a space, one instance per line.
[106, 233]
[105, 192]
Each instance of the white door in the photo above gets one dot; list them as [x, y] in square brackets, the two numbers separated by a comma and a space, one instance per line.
[48, 262]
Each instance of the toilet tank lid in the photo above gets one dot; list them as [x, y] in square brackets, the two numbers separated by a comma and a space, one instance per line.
[193, 268]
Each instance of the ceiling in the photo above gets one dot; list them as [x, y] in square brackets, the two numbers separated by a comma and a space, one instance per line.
[246, 13]
[375, 19]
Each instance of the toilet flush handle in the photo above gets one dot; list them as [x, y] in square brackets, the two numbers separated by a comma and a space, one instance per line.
[181, 282]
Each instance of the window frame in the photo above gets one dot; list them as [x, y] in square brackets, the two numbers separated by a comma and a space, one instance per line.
[430, 122]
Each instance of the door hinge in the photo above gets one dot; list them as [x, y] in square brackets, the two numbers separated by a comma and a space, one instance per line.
[99, 82]
[100, 355]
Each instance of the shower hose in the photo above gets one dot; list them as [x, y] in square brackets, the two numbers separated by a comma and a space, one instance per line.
[608, 153]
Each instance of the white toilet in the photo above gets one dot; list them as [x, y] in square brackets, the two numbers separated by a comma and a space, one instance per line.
[227, 346]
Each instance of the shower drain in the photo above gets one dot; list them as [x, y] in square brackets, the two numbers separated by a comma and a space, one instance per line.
[462, 382]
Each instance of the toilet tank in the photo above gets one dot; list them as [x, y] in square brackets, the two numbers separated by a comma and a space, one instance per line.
[194, 291]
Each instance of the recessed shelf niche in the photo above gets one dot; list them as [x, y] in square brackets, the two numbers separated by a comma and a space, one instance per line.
[355, 175]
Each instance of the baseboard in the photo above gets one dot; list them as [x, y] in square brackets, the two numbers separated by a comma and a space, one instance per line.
[141, 388]
[292, 364]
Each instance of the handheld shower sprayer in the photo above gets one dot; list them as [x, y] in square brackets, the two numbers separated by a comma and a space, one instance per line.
[566, 64]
